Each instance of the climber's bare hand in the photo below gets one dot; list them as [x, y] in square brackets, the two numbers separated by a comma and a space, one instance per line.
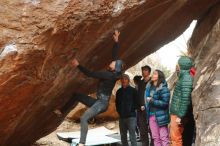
[142, 108]
[178, 120]
[116, 35]
[75, 63]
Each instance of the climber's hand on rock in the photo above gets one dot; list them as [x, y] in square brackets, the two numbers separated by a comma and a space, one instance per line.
[116, 35]
[75, 63]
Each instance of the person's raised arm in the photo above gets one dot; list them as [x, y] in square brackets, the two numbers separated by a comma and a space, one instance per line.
[115, 48]
[98, 75]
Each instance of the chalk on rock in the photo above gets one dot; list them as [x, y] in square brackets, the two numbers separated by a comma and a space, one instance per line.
[9, 49]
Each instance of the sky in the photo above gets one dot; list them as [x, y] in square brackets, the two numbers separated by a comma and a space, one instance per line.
[169, 53]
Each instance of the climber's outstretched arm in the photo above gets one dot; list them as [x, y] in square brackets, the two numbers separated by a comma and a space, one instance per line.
[115, 48]
[94, 74]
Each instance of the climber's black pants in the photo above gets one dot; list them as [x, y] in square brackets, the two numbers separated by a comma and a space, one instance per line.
[97, 106]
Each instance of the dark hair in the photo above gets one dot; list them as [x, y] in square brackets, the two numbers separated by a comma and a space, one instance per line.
[161, 78]
[146, 67]
[137, 78]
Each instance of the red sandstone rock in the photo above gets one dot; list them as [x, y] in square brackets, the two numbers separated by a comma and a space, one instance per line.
[37, 78]
[109, 115]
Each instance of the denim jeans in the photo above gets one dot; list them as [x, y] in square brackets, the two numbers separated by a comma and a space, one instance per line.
[97, 106]
[128, 125]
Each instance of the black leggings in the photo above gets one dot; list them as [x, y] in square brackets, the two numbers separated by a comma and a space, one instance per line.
[97, 106]
[144, 129]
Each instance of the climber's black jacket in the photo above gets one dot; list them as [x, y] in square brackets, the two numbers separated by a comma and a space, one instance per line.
[107, 79]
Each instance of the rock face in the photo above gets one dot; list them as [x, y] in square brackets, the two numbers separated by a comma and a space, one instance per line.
[36, 41]
[109, 115]
[205, 49]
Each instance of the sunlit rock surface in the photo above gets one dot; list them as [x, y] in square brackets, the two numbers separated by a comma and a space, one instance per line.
[36, 43]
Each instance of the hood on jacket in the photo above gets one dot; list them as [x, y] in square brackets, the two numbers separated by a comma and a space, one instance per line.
[162, 85]
[185, 63]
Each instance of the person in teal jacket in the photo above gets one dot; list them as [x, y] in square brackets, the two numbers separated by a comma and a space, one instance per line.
[181, 100]
[157, 100]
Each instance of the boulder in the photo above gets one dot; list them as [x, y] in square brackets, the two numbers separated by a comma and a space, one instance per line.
[39, 38]
[205, 50]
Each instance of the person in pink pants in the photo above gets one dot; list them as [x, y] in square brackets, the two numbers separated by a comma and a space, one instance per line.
[157, 103]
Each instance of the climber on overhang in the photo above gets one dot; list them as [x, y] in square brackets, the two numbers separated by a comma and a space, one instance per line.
[107, 82]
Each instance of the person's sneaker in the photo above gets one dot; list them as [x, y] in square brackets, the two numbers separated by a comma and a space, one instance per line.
[138, 138]
[76, 144]
[58, 113]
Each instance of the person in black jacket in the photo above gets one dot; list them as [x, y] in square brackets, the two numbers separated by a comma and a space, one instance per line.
[141, 111]
[136, 81]
[107, 80]
[126, 108]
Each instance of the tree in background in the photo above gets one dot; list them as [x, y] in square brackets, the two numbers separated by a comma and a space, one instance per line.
[153, 61]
